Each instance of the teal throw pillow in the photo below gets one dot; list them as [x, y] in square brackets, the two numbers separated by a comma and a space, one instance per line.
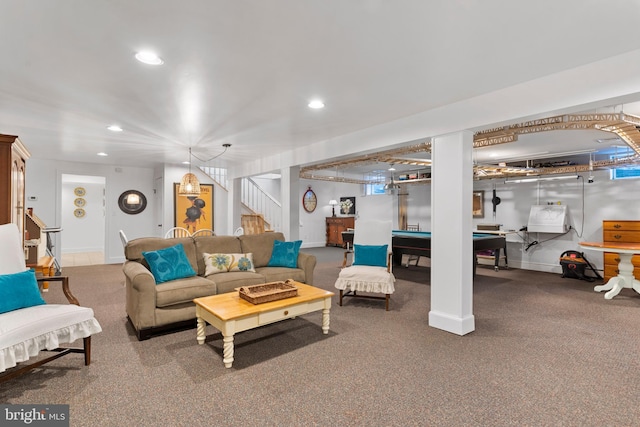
[285, 254]
[19, 290]
[371, 255]
[169, 264]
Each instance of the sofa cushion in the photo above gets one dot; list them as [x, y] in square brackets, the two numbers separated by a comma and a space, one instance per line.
[228, 282]
[280, 274]
[169, 264]
[285, 254]
[223, 263]
[184, 290]
[19, 290]
[260, 245]
[215, 245]
[134, 248]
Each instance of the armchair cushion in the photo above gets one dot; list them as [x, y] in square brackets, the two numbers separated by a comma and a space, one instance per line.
[285, 254]
[19, 290]
[24, 333]
[373, 255]
[169, 264]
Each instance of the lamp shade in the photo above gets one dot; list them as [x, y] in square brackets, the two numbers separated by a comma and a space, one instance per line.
[333, 202]
[189, 185]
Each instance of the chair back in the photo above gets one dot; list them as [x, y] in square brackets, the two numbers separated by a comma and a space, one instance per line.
[372, 232]
[204, 232]
[123, 238]
[177, 232]
[11, 250]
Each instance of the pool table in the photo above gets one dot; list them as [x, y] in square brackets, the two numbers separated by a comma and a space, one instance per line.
[419, 243]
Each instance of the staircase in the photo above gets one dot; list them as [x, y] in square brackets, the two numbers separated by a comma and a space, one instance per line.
[254, 199]
[257, 201]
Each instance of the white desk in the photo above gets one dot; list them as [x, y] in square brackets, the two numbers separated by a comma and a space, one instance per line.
[625, 278]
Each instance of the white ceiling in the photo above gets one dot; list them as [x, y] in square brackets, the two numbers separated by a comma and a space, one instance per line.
[242, 72]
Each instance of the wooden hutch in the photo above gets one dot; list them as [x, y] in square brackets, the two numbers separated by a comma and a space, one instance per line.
[13, 158]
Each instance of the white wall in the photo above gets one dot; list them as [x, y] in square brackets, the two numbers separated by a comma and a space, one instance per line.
[603, 199]
[44, 180]
[83, 233]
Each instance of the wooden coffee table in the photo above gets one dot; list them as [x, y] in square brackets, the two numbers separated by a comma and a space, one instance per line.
[230, 314]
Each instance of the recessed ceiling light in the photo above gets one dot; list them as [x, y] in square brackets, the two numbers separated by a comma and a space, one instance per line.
[102, 154]
[316, 104]
[114, 128]
[148, 57]
[186, 162]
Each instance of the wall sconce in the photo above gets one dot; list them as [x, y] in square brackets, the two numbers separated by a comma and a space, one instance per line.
[333, 204]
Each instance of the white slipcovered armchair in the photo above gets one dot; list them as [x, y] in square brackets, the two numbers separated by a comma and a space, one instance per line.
[27, 324]
[370, 271]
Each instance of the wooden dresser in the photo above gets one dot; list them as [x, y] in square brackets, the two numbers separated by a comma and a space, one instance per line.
[335, 226]
[619, 231]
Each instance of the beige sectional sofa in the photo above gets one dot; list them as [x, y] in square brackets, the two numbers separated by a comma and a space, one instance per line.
[155, 308]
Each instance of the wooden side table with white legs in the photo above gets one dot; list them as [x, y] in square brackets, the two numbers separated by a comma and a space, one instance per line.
[625, 278]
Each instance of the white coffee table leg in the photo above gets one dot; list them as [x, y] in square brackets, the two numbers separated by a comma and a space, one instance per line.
[228, 350]
[201, 326]
[325, 320]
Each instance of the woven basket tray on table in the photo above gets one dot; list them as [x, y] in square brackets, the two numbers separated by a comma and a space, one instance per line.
[258, 294]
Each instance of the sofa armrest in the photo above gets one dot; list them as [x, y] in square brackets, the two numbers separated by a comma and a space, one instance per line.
[307, 262]
[139, 277]
[140, 294]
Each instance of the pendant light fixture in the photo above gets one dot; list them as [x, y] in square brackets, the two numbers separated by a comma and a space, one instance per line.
[189, 184]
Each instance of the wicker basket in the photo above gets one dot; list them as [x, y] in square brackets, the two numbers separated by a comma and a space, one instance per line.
[258, 294]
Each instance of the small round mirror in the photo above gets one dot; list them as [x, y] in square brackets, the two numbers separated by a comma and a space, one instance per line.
[132, 202]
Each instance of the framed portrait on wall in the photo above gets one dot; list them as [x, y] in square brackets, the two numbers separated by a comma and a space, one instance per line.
[194, 212]
[347, 205]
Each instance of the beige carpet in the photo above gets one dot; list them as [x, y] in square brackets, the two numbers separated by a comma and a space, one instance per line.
[546, 352]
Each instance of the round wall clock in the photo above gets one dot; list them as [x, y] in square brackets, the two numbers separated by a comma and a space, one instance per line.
[309, 200]
[79, 213]
[79, 191]
[79, 202]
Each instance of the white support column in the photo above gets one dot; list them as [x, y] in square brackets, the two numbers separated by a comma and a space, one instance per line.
[234, 205]
[451, 233]
[291, 200]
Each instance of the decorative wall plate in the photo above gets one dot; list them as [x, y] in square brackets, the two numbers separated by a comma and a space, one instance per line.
[79, 191]
[80, 202]
[79, 213]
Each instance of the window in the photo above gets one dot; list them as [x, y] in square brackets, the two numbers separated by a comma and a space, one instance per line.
[626, 172]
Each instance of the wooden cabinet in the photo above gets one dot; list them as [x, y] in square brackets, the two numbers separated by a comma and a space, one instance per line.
[335, 226]
[13, 158]
[620, 231]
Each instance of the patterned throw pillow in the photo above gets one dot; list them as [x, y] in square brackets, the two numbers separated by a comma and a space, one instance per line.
[223, 263]
[285, 254]
[169, 264]
[19, 290]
